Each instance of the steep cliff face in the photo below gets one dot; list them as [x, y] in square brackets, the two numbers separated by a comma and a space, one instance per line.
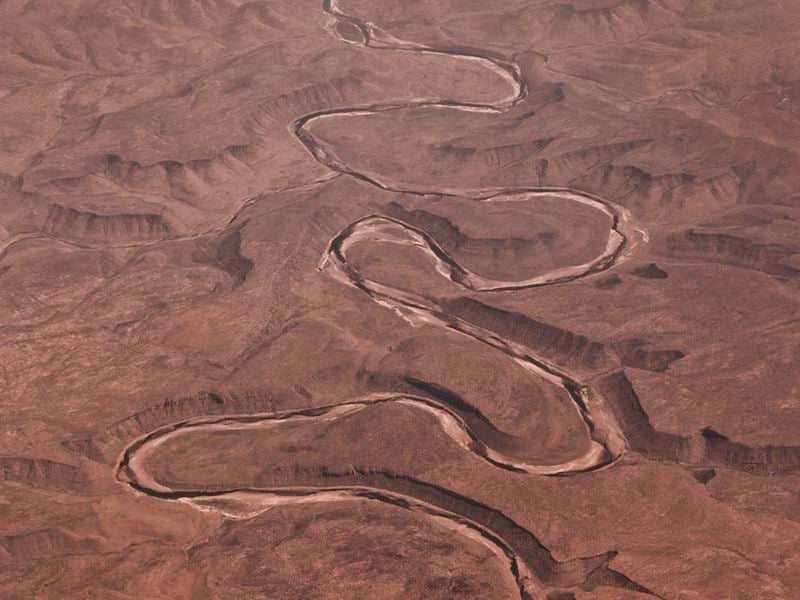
[431, 299]
[560, 346]
[69, 223]
[731, 250]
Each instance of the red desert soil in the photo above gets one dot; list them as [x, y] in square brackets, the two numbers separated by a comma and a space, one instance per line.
[344, 299]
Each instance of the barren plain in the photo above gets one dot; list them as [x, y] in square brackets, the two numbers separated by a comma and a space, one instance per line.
[352, 299]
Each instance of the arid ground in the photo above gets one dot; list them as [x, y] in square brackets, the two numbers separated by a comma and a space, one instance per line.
[430, 299]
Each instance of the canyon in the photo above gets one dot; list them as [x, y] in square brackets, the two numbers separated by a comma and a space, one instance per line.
[424, 300]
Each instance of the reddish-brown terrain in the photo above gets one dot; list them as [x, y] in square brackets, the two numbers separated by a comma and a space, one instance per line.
[433, 299]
